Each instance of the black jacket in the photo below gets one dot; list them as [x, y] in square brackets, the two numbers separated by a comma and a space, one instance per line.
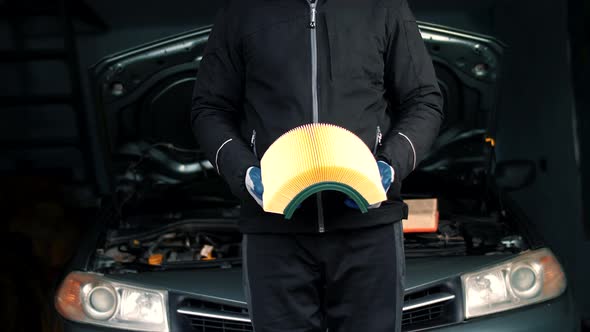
[271, 65]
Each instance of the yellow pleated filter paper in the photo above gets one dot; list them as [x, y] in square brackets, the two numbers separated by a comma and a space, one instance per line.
[317, 157]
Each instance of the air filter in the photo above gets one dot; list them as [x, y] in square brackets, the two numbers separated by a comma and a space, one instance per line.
[314, 158]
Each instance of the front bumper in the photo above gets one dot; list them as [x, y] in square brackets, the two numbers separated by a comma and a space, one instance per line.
[555, 315]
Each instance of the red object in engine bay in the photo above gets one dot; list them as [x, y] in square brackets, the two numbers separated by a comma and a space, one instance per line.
[422, 216]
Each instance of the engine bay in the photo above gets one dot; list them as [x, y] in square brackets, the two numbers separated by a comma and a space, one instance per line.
[203, 243]
[172, 247]
[163, 222]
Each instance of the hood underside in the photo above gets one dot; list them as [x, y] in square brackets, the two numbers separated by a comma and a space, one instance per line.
[144, 95]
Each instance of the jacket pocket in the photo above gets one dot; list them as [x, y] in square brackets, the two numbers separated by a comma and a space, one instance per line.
[378, 139]
[253, 143]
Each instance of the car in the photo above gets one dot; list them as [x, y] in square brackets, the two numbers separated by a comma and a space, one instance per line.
[163, 252]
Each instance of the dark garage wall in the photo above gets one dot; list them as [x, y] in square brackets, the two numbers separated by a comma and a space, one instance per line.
[540, 108]
[535, 118]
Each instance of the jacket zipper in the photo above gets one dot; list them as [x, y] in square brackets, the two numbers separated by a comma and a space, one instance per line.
[253, 143]
[314, 59]
[378, 138]
[314, 91]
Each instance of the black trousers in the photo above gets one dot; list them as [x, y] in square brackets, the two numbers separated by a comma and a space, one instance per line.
[339, 281]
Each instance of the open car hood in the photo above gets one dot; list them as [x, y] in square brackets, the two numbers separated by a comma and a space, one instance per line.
[144, 95]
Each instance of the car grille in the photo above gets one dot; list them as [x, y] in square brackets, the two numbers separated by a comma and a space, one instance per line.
[428, 308]
[218, 325]
[214, 317]
[424, 309]
[423, 315]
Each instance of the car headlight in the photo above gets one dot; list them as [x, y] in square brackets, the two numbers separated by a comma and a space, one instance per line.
[93, 299]
[529, 278]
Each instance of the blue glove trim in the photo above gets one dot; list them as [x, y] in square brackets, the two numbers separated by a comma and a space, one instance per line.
[254, 184]
[387, 175]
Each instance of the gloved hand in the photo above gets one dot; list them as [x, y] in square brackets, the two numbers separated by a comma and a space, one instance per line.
[254, 184]
[387, 177]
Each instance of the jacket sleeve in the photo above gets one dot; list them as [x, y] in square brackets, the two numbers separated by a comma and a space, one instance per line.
[216, 107]
[412, 92]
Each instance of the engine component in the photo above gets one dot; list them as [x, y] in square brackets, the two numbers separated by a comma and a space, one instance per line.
[156, 259]
[207, 253]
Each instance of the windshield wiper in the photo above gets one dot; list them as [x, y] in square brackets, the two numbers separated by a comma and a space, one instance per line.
[224, 263]
[137, 267]
[435, 252]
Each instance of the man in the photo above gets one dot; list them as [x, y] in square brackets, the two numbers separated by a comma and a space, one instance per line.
[270, 66]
